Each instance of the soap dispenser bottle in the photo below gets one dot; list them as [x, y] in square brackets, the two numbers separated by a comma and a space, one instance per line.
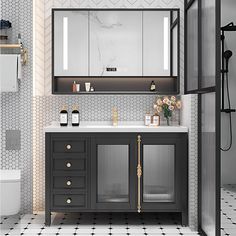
[64, 116]
[148, 119]
[75, 116]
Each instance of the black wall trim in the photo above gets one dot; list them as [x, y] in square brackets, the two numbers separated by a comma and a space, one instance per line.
[200, 90]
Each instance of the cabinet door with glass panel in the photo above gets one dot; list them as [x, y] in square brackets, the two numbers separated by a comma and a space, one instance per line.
[163, 163]
[113, 166]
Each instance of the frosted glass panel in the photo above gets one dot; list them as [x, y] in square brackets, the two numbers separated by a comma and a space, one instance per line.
[113, 173]
[156, 43]
[192, 47]
[208, 43]
[158, 173]
[208, 171]
[115, 43]
[71, 43]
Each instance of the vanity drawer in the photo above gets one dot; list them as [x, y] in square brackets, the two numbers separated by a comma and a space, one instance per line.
[69, 200]
[70, 182]
[69, 146]
[69, 164]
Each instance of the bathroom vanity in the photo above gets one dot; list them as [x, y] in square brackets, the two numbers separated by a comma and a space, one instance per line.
[128, 168]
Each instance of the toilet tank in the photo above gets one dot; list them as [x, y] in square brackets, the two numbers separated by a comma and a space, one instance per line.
[10, 192]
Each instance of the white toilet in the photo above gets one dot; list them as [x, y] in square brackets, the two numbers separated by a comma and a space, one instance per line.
[10, 191]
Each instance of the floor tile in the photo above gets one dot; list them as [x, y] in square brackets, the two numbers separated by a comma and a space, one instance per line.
[87, 224]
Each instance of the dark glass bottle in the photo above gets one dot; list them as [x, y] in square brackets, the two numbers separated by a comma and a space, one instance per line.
[153, 86]
[75, 116]
[64, 117]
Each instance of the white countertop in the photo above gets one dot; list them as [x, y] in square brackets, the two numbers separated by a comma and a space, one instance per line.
[106, 127]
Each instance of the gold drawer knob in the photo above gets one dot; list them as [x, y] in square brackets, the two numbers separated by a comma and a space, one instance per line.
[68, 183]
[68, 201]
[68, 165]
[68, 146]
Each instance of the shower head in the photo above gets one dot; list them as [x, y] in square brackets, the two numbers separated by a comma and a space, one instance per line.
[227, 55]
[229, 27]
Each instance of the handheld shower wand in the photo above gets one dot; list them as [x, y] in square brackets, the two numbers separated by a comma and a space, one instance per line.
[227, 55]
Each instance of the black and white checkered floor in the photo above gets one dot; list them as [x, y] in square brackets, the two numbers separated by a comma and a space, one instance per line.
[228, 210]
[100, 224]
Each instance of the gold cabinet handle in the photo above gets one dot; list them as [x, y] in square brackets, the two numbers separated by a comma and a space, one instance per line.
[68, 146]
[68, 201]
[139, 173]
[68, 183]
[68, 165]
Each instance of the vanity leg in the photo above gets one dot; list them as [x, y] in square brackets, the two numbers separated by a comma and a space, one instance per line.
[184, 219]
[47, 218]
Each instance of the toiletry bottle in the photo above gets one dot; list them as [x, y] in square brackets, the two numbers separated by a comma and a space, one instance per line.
[156, 119]
[74, 87]
[114, 116]
[64, 117]
[147, 119]
[153, 86]
[75, 120]
[19, 38]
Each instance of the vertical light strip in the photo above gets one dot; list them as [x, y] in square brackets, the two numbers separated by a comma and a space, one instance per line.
[166, 43]
[65, 43]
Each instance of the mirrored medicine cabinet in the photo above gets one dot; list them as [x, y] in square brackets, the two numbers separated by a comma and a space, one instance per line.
[116, 50]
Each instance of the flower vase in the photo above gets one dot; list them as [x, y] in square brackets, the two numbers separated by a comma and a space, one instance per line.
[168, 120]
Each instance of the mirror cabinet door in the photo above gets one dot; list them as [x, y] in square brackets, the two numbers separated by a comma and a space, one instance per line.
[71, 43]
[156, 43]
[115, 43]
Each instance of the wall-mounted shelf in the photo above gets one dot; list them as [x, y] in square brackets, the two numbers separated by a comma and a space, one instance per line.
[23, 51]
[119, 85]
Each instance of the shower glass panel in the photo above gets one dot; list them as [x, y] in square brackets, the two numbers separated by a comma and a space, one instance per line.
[192, 47]
[208, 44]
[113, 173]
[208, 160]
[158, 173]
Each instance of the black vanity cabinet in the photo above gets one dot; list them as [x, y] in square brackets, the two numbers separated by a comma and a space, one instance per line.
[163, 182]
[116, 172]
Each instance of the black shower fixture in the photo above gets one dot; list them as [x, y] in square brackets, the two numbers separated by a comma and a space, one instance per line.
[227, 55]
[229, 27]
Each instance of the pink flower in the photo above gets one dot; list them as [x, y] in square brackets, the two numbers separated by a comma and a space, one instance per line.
[159, 102]
[159, 109]
[171, 108]
[178, 104]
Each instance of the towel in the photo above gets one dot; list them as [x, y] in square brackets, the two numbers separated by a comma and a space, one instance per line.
[10, 71]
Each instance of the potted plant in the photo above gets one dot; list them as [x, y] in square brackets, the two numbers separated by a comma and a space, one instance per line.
[167, 105]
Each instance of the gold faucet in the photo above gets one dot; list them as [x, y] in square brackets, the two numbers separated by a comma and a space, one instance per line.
[114, 116]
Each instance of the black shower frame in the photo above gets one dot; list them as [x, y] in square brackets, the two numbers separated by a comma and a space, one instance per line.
[173, 23]
[200, 91]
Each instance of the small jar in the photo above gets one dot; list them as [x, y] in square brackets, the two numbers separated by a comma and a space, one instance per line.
[148, 119]
[156, 119]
